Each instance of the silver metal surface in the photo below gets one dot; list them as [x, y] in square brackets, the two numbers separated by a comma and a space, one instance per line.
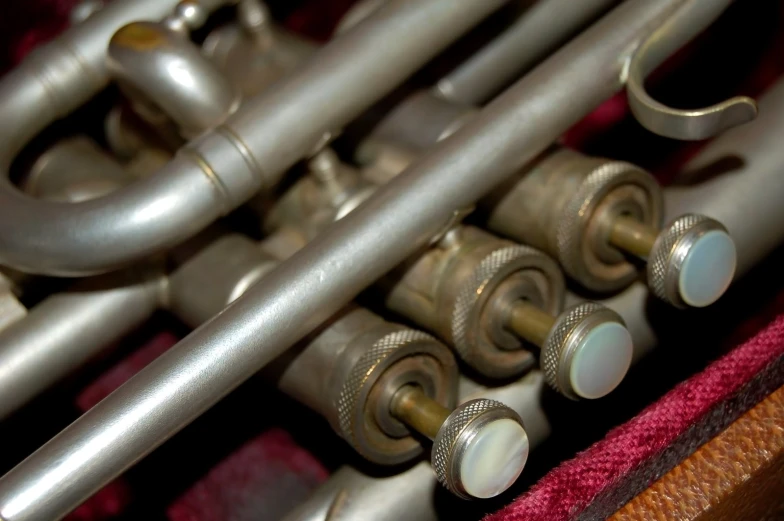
[351, 254]
[421, 120]
[253, 58]
[347, 372]
[163, 72]
[11, 310]
[67, 329]
[73, 170]
[458, 288]
[214, 276]
[84, 10]
[225, 167]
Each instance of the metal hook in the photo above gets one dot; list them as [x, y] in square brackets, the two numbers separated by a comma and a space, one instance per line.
[693, 124]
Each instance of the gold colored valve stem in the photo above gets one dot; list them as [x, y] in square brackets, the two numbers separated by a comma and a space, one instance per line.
[417, 410]
[530, 323]
[632, 236]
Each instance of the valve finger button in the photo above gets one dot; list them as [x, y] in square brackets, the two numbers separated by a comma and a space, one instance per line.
[692, 262]
[480, 450]
[587, 353]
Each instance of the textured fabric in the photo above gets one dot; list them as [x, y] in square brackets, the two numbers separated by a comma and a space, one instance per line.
[601, 479]
[269, 474]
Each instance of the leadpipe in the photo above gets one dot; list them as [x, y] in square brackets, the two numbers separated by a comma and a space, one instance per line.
[328, 273]
[221, 169]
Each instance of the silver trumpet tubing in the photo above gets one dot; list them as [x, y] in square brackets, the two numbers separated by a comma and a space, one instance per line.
[225, 166]
[367, 298]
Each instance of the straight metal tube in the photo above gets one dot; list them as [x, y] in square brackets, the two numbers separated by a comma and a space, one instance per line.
[538, 31]
[325, 275]
[249, 152]
[63, 332]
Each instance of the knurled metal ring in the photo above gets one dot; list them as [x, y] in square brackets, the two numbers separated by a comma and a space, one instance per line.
[564, 337]
[579, 211]
[364, 372]
[670, 250]
[456, 432]
[476, 291]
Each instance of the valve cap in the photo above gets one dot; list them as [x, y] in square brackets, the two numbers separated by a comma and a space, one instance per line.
[587, 353]
[692, 262]
[480, 450]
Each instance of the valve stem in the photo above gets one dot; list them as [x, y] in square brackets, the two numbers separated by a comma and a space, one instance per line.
[530, 323]
[414, 408]
[633, 236]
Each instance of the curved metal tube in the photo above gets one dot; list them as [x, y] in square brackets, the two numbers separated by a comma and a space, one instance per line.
[158, 66]
[747, 198]
[325, 275]
[67, 329]
[694, 124]
[55, 79]
[224, 167]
